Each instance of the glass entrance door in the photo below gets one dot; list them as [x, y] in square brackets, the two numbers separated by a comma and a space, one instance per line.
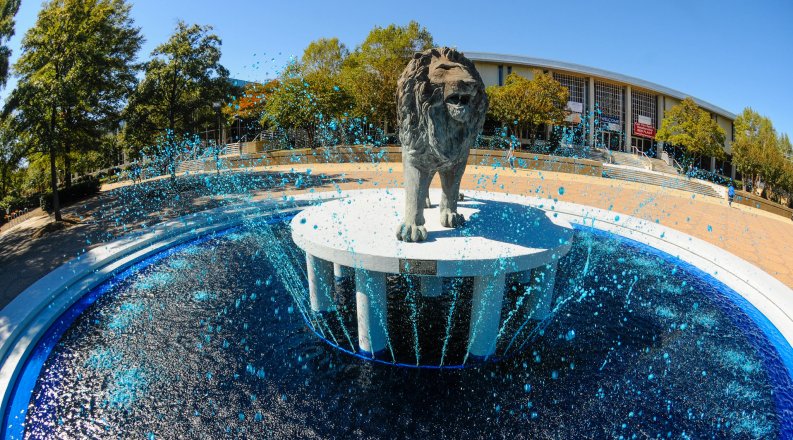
[644, 144]
[611, 140]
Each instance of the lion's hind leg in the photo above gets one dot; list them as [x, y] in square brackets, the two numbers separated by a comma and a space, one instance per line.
[450, 182]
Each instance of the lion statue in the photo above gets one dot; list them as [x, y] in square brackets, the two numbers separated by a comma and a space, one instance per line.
[441, 106]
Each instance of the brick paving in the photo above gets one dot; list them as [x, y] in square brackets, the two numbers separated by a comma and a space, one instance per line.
[759, 237]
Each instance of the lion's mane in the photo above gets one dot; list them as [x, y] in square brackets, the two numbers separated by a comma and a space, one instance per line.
[430, 136]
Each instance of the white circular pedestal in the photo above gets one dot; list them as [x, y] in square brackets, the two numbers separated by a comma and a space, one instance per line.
[499, 239]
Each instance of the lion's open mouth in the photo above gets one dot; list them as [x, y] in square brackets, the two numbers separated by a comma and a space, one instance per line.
[457, 105]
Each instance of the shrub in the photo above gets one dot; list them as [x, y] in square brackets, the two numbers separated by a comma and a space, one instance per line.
[85, 187]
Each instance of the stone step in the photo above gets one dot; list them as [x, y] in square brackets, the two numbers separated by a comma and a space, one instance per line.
[628, 159]
[659, 179]
[663, 167]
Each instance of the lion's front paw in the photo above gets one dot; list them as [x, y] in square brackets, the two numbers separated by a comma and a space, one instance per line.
[451, 219]
[410, 232]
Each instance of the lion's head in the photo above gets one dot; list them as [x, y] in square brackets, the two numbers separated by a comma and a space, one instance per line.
[441, 106]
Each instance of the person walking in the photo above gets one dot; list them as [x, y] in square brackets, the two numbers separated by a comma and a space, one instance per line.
[511, 157]
[730, 194]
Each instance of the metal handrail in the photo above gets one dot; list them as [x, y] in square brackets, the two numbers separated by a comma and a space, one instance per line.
[670, 160]
[642, 153]
[677, 165]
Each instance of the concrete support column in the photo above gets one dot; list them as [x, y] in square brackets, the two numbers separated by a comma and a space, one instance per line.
[712, 164]
[732, 171]
[431, 287]
[340, 271]
[591, 111]
[485, 315]
[541, 299]
[628, 119]
[320, 283]
[370, 297]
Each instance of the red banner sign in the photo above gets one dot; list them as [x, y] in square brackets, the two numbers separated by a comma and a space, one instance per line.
[643, 130]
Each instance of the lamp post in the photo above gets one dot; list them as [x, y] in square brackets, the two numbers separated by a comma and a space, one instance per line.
[216, 105]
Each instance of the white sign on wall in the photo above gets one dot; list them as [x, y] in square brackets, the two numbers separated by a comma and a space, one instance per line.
[575, 107]
[646, 120]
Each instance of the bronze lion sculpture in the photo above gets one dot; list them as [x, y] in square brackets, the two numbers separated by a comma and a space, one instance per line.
[441, 106]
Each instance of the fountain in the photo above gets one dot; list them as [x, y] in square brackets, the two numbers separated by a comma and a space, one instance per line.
[302, 315]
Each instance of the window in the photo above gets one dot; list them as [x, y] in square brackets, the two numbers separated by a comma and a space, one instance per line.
[500, 75]
[509, 70]
[576, 87]
[609, 99]
[644, 104]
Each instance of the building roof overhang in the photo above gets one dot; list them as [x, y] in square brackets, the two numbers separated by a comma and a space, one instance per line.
[594, 72]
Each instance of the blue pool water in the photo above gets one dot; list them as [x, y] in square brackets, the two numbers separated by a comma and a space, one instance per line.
[208, 340]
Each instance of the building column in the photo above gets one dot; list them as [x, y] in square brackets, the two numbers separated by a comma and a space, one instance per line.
[591, 111]
[628, 120]
[732, 171]
[712, 164]
[659, 116]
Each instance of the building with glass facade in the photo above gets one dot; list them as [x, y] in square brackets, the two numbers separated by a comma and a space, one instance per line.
[619, 112]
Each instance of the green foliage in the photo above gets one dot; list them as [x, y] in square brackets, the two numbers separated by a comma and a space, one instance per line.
[523, 105]
[325, 55]
[250, 104]
[8, 10]
[174, 100]
[692, 128]
[759, 154]
[77, 66]
[305, 102]
[12, 152]
[87, 187]
[371, 72]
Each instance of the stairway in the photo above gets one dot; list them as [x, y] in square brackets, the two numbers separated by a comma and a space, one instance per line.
[661, 166]
[190, 166]
[629, 160]
[664, 180]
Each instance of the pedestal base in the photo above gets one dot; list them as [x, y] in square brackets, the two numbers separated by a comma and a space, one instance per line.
[357, 232]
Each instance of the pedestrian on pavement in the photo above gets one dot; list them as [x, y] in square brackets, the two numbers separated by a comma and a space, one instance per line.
[730, 194]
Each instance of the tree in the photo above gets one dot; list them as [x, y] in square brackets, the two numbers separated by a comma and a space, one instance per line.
[755, 143]
[76, 67]
[174, 100]
[8, 10]
[523, 105]
[785, 146]
[692, 128]
[250, 104]
[325, 55]
[305, 103]
[248, 108]
[370, 73]
[12, 151]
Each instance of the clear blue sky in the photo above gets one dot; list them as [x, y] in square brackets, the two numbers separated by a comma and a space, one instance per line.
[730, 53]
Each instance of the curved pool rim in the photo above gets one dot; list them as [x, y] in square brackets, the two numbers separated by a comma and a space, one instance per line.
[23, 322]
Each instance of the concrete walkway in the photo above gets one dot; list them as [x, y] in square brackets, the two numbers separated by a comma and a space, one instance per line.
[759, 237]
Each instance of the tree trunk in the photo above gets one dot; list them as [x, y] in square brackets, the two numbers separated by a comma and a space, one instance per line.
[3, 180]
[67, 165]
[56, 203]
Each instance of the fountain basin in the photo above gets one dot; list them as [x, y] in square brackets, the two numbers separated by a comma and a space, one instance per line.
[757, 294]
